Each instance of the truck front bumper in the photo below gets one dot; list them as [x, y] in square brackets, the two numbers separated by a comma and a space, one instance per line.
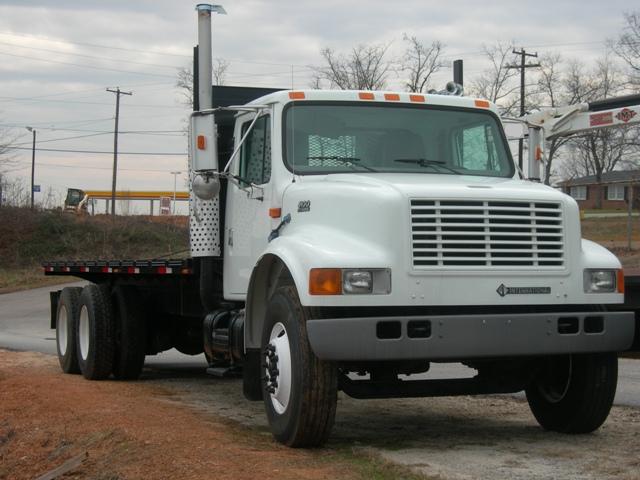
[459, 337]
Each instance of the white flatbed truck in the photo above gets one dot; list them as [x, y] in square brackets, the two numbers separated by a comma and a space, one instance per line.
[345, 240]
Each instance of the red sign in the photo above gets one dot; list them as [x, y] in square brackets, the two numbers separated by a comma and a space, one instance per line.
[597, 119]
[625, 115]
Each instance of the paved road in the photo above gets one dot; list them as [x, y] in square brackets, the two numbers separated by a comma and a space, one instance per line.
[24, 325]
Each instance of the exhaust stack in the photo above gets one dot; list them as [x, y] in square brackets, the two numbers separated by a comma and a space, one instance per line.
[204, 52]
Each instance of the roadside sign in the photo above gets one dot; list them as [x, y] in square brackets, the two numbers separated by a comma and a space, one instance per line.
[165, 205]
[36, 188]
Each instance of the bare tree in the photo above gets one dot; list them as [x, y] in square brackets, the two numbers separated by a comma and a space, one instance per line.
[627, 45]
[550, 93]
[496, 83]
[364, 68]
[185, 78]
[420, 62]
[600, 151]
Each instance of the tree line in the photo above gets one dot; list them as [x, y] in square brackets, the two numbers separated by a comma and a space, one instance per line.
[560, 80]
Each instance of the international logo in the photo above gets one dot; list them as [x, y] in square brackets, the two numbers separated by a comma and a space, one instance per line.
[504, 290]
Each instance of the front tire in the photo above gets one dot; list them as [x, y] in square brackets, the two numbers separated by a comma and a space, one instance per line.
[300, 390]
[574, 393]
[95, 333]
[67, 328]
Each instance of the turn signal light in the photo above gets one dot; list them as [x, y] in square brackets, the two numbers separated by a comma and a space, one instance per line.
[325, 281]
[202, 142]
[620, 281]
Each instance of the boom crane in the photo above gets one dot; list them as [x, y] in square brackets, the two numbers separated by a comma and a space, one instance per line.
[564, 121]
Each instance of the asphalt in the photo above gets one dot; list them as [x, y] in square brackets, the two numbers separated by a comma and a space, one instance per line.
[25, 319]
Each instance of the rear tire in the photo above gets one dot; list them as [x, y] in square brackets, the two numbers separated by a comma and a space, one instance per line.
[130, 334]
[300, 390]
[574, 393]
[67, 316]
[95, 333]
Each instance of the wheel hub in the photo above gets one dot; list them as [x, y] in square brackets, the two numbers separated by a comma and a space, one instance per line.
[277, 365]
[83, 332]
[62, 330]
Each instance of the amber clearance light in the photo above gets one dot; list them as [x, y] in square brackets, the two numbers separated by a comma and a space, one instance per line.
[620, 280]
[325, 281]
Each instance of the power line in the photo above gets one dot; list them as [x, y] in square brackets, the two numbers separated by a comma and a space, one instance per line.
[138, 105]
[101, 152]
[86, 66]
[109, 59]
[93, 45]
[87, 167]
[66, 138]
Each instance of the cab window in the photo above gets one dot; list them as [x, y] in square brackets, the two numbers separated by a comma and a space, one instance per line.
[255, 155]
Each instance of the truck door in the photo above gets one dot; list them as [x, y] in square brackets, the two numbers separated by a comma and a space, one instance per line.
[247, 223]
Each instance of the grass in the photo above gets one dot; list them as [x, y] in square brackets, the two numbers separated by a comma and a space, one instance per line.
[371, 466]
[28, 238]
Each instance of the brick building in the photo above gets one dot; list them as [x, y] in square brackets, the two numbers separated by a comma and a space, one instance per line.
[613, 191]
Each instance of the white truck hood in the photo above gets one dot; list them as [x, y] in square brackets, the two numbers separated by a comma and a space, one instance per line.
[449, 186]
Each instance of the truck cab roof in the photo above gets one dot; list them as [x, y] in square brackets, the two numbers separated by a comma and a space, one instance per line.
[285, 96]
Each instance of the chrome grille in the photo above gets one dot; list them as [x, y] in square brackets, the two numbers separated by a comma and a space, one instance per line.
[487, 233]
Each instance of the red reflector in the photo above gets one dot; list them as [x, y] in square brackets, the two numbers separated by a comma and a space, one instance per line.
[366, 96]
[202, 142]
[66, 269]
[296, 95]
[164, 270]
[393, 97]
[133, 270]
[275, 212]
[84, 269]
[105, 270]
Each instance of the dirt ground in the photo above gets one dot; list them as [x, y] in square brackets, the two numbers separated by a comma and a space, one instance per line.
[133, 431]
[184, 424]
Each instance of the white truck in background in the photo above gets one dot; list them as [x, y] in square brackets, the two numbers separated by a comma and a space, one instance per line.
[345, 240]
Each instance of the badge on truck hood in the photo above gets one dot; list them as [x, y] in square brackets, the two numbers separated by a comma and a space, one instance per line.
[504, 290]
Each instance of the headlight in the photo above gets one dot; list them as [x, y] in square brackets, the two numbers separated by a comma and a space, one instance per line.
[361, 281]
[600, 281]
[357, 281]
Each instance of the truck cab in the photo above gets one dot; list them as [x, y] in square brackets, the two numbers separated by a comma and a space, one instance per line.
[373, 233]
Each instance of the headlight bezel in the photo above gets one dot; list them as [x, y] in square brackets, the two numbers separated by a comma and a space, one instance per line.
[592, 284]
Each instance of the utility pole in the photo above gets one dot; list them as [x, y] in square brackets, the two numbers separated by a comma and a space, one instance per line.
[175, 176]
[118, 92]
[33, 161]
[523, 65]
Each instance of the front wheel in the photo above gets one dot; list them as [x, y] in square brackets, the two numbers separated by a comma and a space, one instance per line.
[574, 393]
[300, 389]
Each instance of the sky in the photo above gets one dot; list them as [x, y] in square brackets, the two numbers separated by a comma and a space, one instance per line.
[58, 57]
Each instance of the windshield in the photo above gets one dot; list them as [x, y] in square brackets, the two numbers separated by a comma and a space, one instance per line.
[73, 196]
[339, 137]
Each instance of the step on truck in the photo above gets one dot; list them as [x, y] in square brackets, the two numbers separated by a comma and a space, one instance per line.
[345, 241]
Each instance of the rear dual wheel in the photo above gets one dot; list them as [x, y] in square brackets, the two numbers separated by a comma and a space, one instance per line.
[67, 316]
[96, 330]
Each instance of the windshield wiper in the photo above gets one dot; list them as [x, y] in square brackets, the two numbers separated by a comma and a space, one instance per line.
[423, 162]
[349, 161]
